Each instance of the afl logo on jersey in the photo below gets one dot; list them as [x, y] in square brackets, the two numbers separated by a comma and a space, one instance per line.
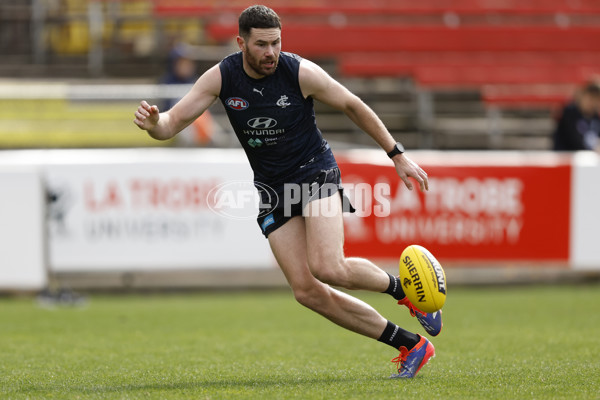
[237, 103]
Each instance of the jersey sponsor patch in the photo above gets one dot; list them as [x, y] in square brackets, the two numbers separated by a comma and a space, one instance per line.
[262, 123]
[237, 103]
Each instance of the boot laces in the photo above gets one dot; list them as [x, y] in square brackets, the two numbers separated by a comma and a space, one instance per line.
[401, 359]
[413, 310]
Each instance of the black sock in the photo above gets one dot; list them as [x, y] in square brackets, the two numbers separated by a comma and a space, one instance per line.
[395, 288]
[396, 337]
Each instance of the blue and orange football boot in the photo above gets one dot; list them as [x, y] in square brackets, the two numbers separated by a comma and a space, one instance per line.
[409, 362]
[432, 322]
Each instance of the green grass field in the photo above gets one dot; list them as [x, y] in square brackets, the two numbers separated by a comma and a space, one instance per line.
[531, 342]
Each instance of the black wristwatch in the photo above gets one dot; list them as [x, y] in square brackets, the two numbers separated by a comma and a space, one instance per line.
[398, 149]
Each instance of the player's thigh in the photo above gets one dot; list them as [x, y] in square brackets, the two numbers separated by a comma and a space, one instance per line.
[325, 232]
[288, 244]
[289, 247]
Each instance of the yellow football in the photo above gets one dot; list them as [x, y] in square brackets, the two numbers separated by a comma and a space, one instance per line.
[423, 279]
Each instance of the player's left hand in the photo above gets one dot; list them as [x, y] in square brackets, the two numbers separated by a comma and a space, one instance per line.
[407, 168]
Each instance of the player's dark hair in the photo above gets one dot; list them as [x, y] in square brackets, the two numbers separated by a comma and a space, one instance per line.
[258, 17]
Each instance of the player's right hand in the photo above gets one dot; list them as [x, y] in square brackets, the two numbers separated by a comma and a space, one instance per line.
[146, 116]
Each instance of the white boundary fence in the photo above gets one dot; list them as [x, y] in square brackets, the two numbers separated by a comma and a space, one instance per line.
[146, 210]
[22, 234]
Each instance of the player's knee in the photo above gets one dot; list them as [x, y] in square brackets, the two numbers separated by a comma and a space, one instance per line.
[331, 272]
[312, 297]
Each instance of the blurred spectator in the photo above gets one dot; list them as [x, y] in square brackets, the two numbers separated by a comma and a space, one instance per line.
[578, 127]
[182, 69]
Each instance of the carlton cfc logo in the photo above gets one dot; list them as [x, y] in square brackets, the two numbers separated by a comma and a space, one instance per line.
[237, 103]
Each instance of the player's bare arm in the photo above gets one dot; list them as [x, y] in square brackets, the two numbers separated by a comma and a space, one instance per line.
[165, 125]
[315, 82]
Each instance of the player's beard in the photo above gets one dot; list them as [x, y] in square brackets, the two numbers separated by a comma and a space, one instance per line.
[260, 66]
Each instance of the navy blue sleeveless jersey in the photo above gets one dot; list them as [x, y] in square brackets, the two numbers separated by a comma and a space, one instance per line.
[273, 121]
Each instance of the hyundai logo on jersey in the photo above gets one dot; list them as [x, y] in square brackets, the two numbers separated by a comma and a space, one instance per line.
[262, 123]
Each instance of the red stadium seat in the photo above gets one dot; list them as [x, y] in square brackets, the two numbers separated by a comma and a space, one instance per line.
[507, 47]
[527, 95]
[476, 76]
[325, 40]
[383, 7]
[505, 78]
[466, 68]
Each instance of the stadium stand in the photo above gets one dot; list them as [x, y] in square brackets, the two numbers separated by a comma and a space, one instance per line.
[519, 59]
[378, 7]
[441, 73]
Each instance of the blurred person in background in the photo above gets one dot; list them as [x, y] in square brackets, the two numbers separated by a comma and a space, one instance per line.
[578, 127]
[182, 70]
[268, 95]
